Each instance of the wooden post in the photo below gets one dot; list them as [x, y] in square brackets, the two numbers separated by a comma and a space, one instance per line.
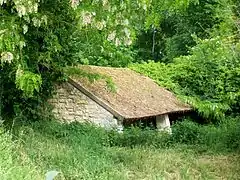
[163, 123]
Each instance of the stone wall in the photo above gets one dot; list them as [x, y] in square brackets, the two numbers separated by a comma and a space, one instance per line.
[72, 105]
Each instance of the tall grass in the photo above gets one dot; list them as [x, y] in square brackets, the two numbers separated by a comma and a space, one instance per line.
[80, 151]
[11, 166]
[224, 137]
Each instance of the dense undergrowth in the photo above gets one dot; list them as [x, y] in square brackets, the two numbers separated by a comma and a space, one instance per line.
[39, 39]
[196, 50]
[218, 138]
[82, 151]
[208, 78]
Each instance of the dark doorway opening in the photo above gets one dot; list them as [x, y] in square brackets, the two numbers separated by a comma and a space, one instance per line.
[148, 122]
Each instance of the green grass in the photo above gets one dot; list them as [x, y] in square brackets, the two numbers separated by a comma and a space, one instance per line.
[85, 152]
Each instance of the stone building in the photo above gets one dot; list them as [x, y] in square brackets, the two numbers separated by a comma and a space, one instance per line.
[110, 97]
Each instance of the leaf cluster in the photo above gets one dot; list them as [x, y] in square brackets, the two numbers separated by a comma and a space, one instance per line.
[208, 78]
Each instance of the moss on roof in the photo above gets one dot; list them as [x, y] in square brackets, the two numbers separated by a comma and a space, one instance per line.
[136, 96]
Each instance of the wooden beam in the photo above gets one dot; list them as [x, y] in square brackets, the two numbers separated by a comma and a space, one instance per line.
[96, 99]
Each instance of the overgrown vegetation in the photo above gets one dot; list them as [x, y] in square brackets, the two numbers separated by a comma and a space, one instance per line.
[191, 47]
[207, 74]
[218, 138]
[39, 39]
[208, 79]
[80, 151]
[78, 72]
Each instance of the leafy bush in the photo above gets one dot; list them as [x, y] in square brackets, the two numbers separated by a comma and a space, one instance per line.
[39, 38]
[230, 134]
[73, 132]
[208, 79]
[136, 136]
[219, 138]
[95, 49]
[171, 35]
[186, 132]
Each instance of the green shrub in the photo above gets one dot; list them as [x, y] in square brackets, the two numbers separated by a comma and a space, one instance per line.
[72, 132]
[186, 132]
[136, 136]
[218, 138]
[230, 131]
[221, 137]
[207, 79]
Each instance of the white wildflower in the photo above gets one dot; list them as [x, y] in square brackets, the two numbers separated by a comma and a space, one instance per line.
[111, 36]
[100, 25]
[2, 1]
[74, 3]
[127, 41]
[105, 2]
[6, 57]
[44, 19]
[19, 72]
[35, 7]
[29, 6]
[22, 44]
[86, 18]
[36, 22]
[21, 10]
[127, 32]
[117, 42]
[25, 29]
[144, 7]
[126, 22]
